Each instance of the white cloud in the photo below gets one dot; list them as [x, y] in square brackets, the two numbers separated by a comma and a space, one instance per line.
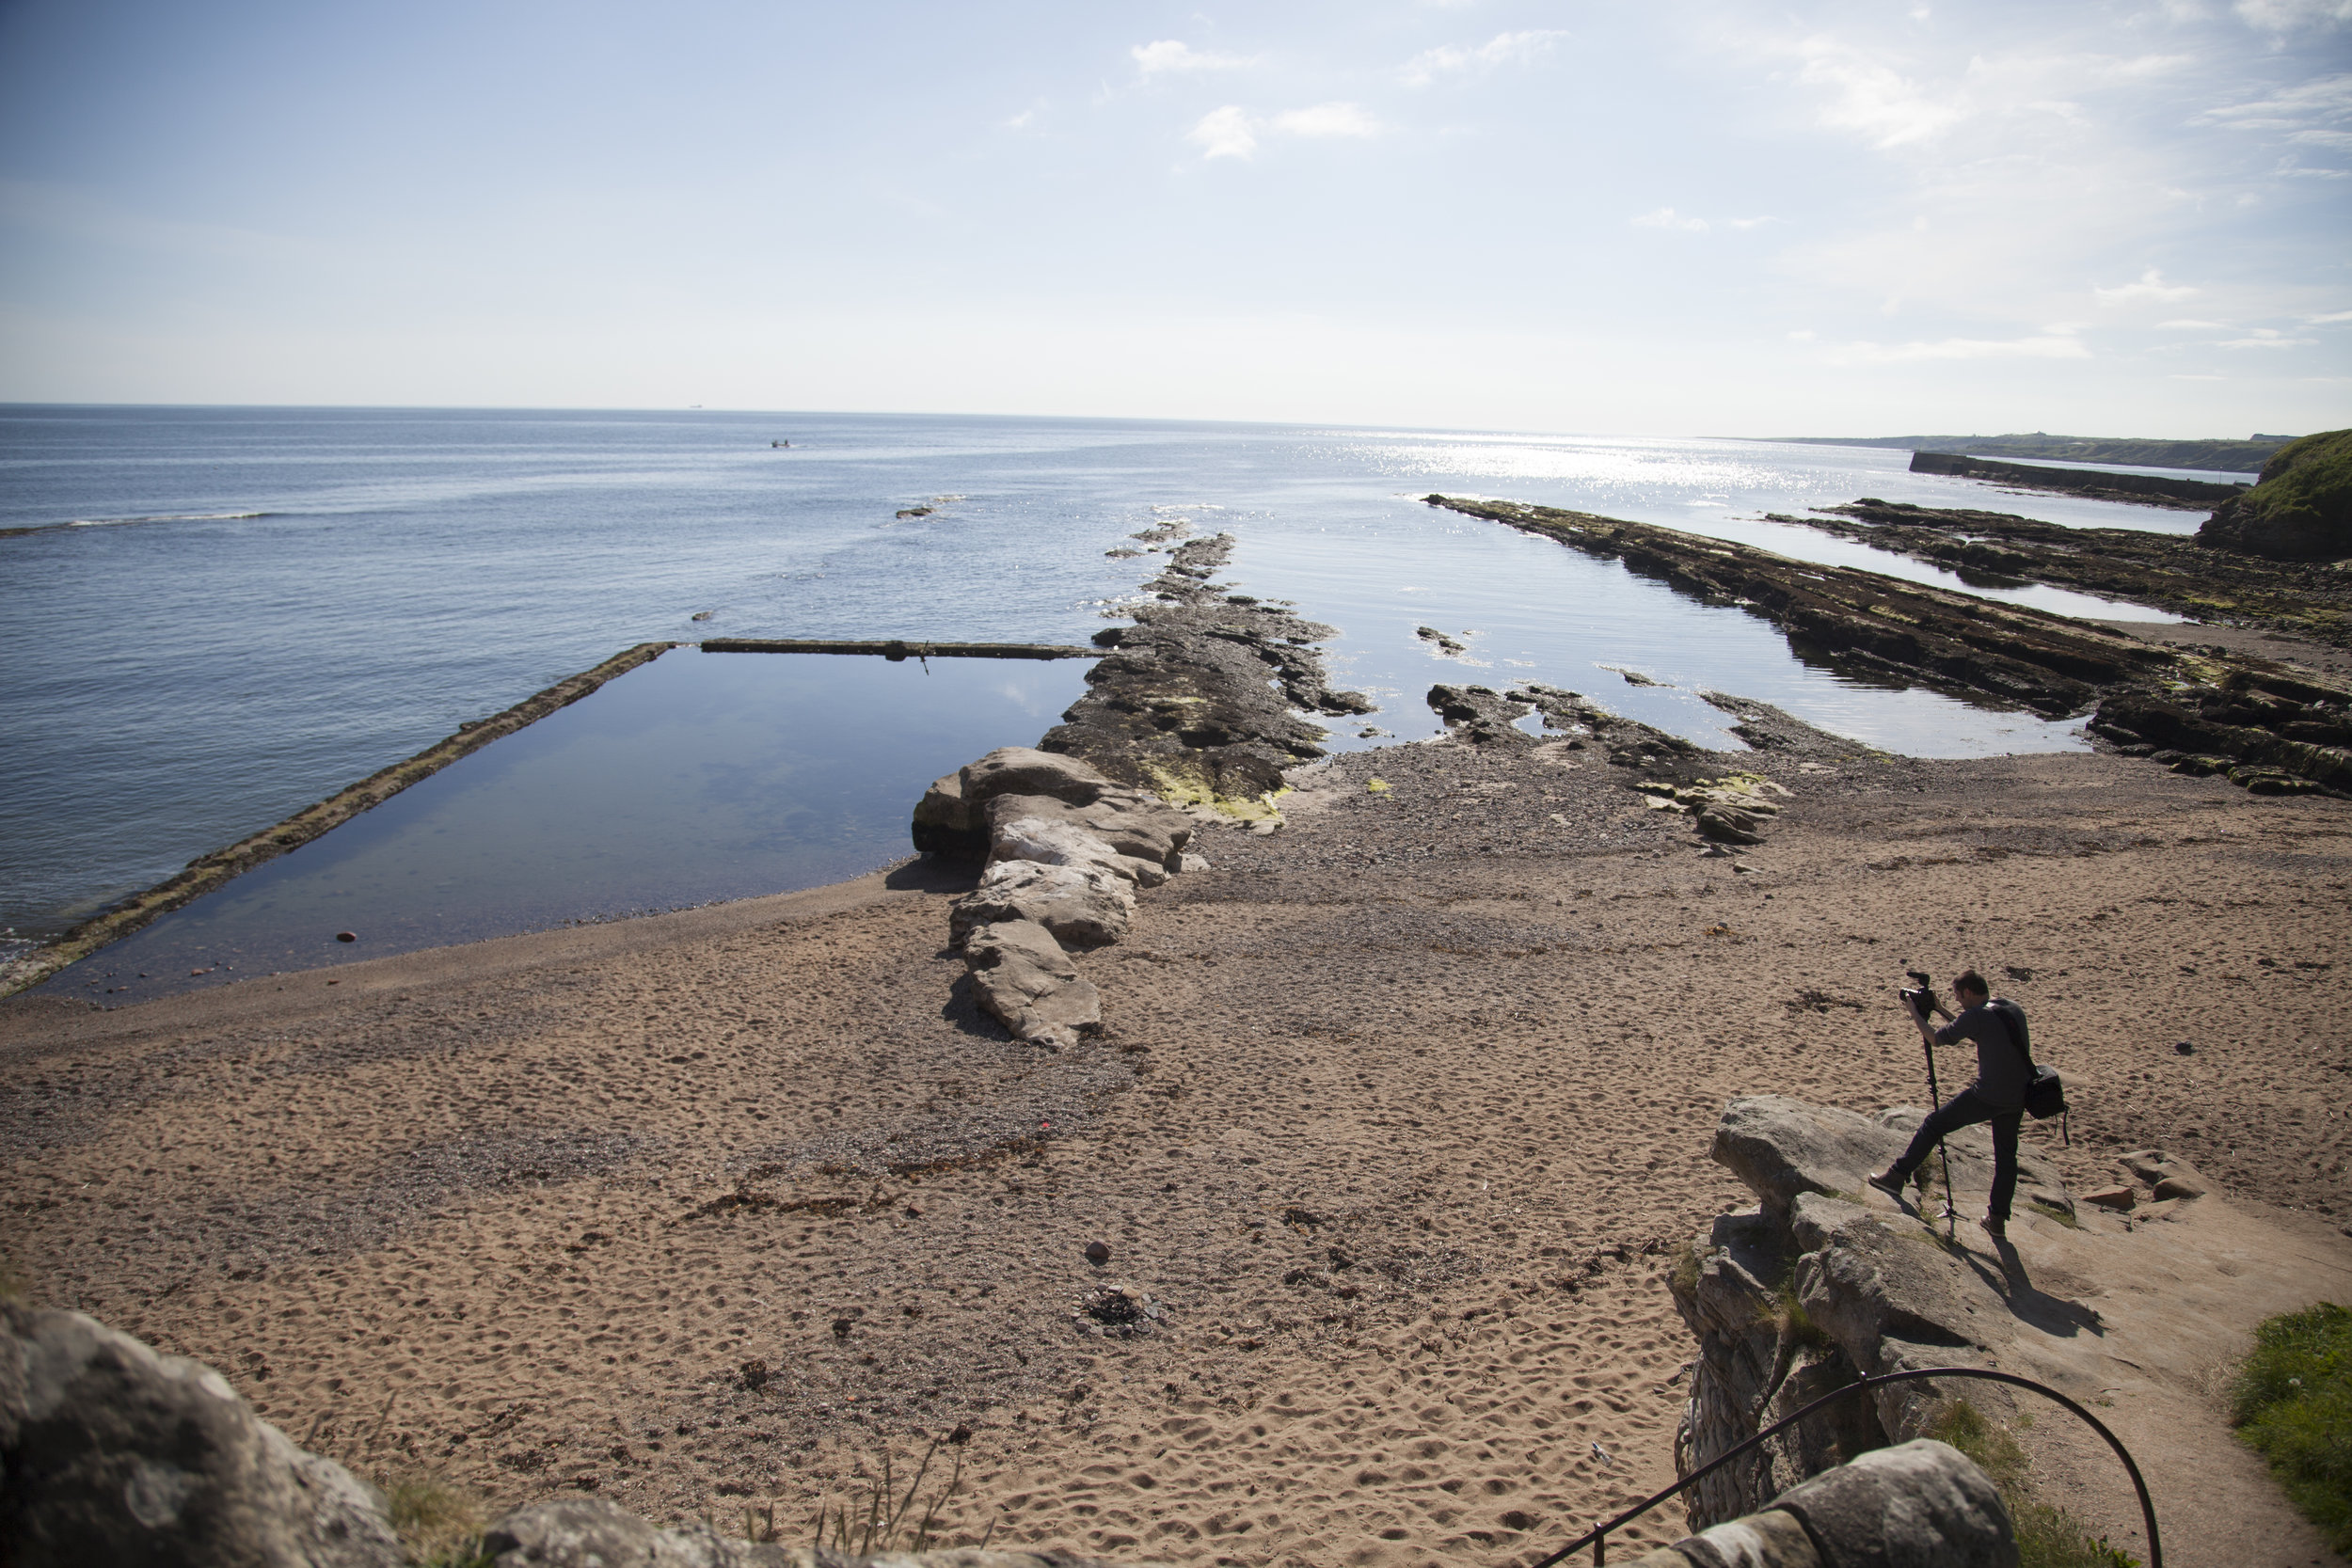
[1664, 218]
[1175, 55]
[1328, 119]
[1232, 131]
[1224, 132]
[2150, 287]
[2287, 16]
[2263, 337]
[2055, 344]
[1873, 99]
[1453, 60]
[2178, 377]
[1750, 223]
[2192, 326]
[2304, 111]
[2331, 316]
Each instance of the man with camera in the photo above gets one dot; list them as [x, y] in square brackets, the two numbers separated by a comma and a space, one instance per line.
[2004, 1070]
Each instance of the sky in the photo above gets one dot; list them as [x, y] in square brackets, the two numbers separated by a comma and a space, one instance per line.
[1680, 218]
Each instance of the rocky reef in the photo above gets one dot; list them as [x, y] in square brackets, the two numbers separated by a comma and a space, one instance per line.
[2187, 495]
[1997, 550]
[2301, 510]
[1874, 627]
[2256, 721]
[1199, 701]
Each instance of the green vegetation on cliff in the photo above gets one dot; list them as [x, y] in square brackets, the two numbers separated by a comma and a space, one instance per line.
[2301, 510]
[2223, 457]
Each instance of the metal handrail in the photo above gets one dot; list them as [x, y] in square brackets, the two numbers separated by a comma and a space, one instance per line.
[1598, 1538]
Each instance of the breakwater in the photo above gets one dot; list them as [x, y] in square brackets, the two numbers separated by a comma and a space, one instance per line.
[2189, 494]
[896, 648]
[207, 872]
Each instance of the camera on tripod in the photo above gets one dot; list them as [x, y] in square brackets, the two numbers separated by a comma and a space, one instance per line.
[1921, 996]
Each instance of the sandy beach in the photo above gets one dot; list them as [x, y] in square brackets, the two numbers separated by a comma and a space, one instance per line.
[1397, 1117]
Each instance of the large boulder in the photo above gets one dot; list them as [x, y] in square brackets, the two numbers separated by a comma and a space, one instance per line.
[1025, 770]
[2301, 509]
[946, 824]
[1909, 1507]
[1781, 1147]
[1027, 983]
[1133, 823]
[113, 1453]
[952, 818]
[1081, 906]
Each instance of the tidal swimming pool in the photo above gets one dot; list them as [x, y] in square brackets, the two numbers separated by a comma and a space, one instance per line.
[696, 778]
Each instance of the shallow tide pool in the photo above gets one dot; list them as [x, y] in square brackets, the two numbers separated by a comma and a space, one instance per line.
[696, 778]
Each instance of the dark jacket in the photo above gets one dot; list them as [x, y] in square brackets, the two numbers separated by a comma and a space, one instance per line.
[2002, 1073]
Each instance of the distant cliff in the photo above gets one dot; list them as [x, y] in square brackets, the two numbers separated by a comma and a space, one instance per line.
[2229, 457]
[2301, 511]
[2147, 489]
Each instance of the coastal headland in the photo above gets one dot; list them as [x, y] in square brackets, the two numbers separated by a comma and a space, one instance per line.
[1397, 1117]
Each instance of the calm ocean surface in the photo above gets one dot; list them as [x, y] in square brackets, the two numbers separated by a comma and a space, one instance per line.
[223, 615]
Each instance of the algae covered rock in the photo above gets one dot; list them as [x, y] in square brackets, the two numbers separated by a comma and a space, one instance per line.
[2301, 510]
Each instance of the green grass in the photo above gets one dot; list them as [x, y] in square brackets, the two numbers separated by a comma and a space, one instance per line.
[2292, 1403]
[2047, 1535]
[1797, 1326]
[439, 1526]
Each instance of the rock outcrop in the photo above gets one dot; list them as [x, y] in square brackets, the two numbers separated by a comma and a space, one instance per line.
[2300, 510]
[1918, 1504]
[1816, 1288]
[113, 1453]
[2264, 729]
[1066, 849]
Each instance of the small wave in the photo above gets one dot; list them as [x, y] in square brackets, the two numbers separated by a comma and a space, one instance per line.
[125, 522]
[163, 518]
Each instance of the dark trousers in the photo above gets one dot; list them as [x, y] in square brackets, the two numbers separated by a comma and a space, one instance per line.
[1966, 1109]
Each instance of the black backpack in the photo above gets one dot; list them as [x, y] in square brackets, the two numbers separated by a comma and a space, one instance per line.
[2045, 1096]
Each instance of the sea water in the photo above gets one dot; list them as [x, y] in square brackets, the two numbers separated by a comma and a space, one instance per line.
[215, 616]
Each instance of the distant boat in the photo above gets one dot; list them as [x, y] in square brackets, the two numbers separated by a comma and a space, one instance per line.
[779, 443]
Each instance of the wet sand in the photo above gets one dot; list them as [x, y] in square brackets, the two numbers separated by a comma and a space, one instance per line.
[1396, 1115]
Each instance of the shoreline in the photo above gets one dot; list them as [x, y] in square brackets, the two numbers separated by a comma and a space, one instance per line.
[1427, 1070]
[1400, 1109]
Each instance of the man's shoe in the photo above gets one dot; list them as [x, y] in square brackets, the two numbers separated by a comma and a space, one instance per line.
[1997, 1228]
[1887, 1182]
